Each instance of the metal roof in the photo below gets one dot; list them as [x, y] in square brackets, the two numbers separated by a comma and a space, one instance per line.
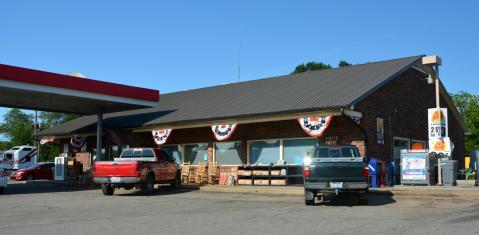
[309, 91]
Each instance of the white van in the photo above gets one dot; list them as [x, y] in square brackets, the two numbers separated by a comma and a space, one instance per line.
[20, 157]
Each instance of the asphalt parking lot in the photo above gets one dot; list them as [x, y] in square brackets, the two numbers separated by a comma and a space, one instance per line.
[56, 209]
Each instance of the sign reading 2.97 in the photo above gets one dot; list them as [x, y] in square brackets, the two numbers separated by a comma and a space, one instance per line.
[437, 123]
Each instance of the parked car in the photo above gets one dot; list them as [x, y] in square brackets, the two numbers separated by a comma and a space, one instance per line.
[20, 157]
[3, 179]
[34, 172]
[335, 169]
[137, 167]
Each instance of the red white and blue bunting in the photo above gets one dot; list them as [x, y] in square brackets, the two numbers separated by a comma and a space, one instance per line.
[315, 126]
[161, 136]
[47, 140]
[223, 131]
[77, 141]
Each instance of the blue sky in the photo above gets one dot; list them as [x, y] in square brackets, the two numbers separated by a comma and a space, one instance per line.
[180, 45]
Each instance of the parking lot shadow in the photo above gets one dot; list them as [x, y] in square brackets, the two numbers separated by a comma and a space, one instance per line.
[46, 186]
[34, 187]
[159, 191]
[374, 199]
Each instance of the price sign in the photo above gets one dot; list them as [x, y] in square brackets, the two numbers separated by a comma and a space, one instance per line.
[437, 123]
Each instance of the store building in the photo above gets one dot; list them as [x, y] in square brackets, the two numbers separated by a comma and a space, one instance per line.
[380, 107]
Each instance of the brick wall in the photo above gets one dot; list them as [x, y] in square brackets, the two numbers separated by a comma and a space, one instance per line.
[403, 104]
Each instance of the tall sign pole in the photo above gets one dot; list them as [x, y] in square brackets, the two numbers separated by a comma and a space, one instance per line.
[431, 63]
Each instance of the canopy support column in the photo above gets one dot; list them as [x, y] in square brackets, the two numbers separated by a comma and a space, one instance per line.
[99, 135]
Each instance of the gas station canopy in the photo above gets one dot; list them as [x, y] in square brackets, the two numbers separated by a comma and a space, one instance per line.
[40, 90]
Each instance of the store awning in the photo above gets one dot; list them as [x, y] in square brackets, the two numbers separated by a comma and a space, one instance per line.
[40, 90]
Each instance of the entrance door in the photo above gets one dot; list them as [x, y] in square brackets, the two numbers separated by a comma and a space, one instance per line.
[399, 144]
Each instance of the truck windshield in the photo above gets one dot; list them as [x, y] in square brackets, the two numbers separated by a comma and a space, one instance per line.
[335, 152]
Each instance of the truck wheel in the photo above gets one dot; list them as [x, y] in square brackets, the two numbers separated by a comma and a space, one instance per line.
[107, 189]
[148, 186]
[309, 197]
[1, 190]
[177, 183]
[308, 202]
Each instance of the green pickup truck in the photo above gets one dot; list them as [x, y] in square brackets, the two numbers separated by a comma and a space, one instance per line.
[335, 169]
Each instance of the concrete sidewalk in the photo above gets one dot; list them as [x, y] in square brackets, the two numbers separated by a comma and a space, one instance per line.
[468, 192]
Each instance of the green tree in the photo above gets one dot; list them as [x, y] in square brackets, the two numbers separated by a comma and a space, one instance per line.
[17, 127]
[313, 66]
[468, 106]
[5, 145]
[343, 63]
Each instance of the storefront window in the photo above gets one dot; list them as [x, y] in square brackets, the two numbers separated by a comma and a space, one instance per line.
[228, 153]
[174, 152]
[264, 151]
[296, 150]
[196, 153]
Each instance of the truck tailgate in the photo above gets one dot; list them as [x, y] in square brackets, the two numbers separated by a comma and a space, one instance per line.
[117, 168]
[342, 170]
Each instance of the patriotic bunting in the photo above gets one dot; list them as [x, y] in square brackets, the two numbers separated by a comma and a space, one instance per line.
[315, 126]
[160, 136]
[77, 141]
[47, 140]
[223, 131]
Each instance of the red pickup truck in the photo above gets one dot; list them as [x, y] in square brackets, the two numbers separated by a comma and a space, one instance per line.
[137, 167]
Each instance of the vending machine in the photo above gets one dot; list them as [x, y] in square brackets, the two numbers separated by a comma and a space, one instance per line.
[61, 167]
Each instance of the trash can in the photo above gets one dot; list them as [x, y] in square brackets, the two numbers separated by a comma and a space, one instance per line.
[373, 172]
[449, 172]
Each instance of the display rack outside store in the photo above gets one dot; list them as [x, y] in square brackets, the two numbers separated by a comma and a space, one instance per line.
[270, 175]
